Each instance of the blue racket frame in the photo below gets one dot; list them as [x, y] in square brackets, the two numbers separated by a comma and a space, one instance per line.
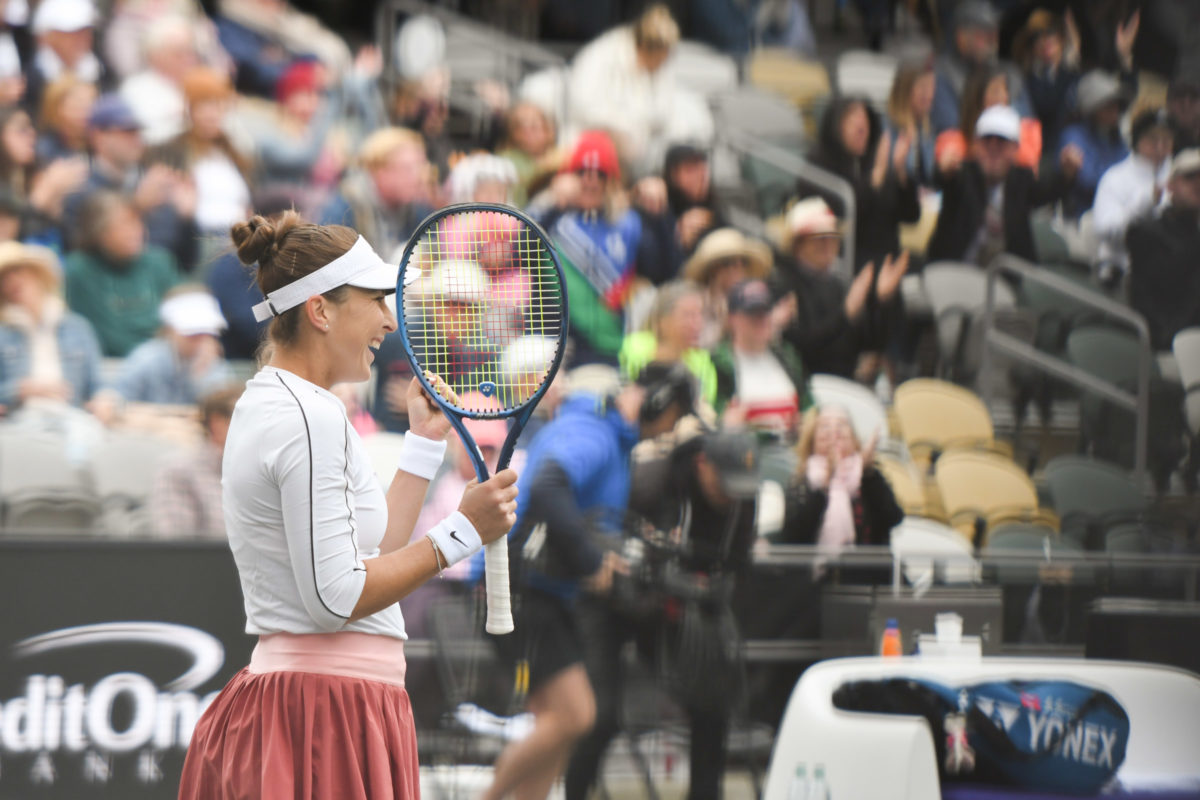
[520, 414]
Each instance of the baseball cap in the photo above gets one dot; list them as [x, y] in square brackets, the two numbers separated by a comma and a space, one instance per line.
[192, 313]
[63, 15]
[750, 297]
[735, 456]
[1096, 88]
[595, 150]
[1187, 162]
[1002, 122]
[111, 112]
[975, 14]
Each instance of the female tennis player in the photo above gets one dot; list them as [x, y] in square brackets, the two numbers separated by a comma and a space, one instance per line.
[322, 552]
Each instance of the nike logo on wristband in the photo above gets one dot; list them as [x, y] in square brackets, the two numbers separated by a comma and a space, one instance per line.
[454, 536]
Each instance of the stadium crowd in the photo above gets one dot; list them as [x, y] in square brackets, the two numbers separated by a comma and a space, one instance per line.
[133, 134]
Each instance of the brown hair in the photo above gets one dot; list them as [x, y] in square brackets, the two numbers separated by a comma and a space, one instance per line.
[286, 249]
[219, 403]
[55, 94]
[899, 105]
[973, 94]
[808, 433]
[96, 215]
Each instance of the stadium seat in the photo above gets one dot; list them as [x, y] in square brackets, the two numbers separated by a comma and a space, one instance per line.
[124, 466]
[867, 74]
[1112, 354]
[1049, 245]
[41, 488]
[803, 83]
[935, 416]
[957, 293]
[989, 488]
[1187, 357]
[928, 549]
[704, 69]
[1090, 496]
[908, 484]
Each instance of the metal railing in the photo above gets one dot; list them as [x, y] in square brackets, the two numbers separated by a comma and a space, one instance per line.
[995, 339]
[746, 145]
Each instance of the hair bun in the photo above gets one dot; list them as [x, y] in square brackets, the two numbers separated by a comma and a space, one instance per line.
[253, 238]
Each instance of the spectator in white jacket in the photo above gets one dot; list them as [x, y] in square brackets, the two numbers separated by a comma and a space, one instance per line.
[624, 82]
[1130, 189]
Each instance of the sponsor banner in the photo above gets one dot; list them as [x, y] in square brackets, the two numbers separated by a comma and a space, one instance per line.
[109, 653]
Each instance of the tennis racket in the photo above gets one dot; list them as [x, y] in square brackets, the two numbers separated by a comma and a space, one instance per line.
[488, 315]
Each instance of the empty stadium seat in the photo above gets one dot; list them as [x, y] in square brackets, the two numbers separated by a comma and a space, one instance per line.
[978, 486]
[935, 416]
[957, 293]
[1089, 495]
[928, 549]
[41, 487]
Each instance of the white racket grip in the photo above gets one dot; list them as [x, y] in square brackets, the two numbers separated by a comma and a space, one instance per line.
[495, 575]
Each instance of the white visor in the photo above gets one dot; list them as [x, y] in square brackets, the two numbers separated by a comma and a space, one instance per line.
[359, 266]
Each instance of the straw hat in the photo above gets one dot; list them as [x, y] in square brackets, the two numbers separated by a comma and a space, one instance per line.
[725, 243]
[41, 259]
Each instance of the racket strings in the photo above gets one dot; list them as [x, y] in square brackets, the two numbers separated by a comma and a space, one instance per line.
[487, 314]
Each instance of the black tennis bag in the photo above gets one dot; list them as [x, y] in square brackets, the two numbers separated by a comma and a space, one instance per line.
[1054, 736]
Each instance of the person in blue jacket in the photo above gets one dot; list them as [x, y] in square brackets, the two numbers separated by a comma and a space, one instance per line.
[574, 489]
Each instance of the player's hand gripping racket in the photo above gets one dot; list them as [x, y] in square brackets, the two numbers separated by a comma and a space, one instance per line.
[488, 315]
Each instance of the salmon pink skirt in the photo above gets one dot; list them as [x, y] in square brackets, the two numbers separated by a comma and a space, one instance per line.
[312, 716]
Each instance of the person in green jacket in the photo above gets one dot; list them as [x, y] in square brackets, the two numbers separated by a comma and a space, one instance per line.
[761, 381]
[115, 280]
[673, 334]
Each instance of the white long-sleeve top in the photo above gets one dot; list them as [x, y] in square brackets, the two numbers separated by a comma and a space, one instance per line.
[303, 510]
[1126, 191]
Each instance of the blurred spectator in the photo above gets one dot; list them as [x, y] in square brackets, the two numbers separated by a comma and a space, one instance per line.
[988, 198]
[573, 494]
[529, 145]
[15, 55]
[624, 82]
[783, 23]
[1130, 189]
[155, 93]
[47, 353]
[760, 379]
[832, 326]
[184, 362]
[1183, 107]
[132, 29]
[387, 195]
[673, 336]
[909, 104]
[589, 220]
[523, 363]
[1164, 256]
[447, 490]
[974, 43]
[302, 143]
[837, 498]
[265, 37]
[853, 145]
[987, 87]
[237, 293]
[65, 41]
[677, 211]
[205, 153]
[707, 485]
[163, 197]
[724, 258]
[1048, 58]
[1102, 100]
[37, 195]
[66, 106]
[351, 395]
[115, 279]
[481, 178]
[185, 501]
[423, 105]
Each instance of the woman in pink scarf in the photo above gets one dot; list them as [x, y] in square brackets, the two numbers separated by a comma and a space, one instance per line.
[838, 498]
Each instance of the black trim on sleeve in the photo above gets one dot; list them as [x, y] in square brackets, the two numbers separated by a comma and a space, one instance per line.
[349, 506]
[312, 547]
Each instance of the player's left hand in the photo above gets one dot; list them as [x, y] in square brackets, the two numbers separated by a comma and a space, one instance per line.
[425, 418]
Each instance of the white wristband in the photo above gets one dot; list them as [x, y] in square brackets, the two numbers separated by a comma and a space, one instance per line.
[421, 456]
[456, 538]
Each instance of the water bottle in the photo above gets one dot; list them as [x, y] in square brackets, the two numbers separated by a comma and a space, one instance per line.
[819, 789]
[889, 644]
[798, 788]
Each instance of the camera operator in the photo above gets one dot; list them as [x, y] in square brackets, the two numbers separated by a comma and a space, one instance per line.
[577, 472]
[703, 491]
